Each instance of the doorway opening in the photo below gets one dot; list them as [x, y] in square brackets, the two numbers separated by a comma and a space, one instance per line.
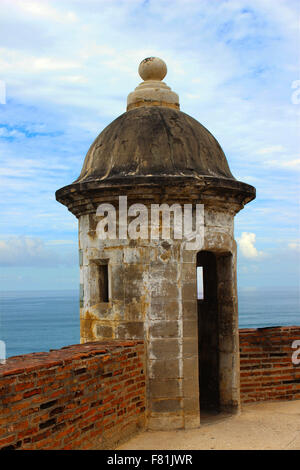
[208, 332]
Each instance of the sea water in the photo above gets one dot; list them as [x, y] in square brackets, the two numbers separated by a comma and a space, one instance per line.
[43, 320]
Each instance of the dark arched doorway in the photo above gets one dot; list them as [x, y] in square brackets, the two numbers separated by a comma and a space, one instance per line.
[208, 331]
[218, 339]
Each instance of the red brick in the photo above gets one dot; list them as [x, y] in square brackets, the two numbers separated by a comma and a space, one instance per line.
[51, 375]
[7, 440]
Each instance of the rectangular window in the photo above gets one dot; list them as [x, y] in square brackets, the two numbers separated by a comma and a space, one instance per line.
[103, 282]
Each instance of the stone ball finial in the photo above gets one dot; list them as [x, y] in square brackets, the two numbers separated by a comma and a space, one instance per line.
[152, 68]
[152, 91]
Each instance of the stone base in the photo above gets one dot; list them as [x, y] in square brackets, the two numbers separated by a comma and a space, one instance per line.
[172, 422]
[192, 421]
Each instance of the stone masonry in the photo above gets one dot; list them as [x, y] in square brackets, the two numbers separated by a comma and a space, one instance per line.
[146, 288]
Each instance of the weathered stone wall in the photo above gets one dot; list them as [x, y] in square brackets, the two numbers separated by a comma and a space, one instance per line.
[267, 369]
[88, 396]
[153, 296]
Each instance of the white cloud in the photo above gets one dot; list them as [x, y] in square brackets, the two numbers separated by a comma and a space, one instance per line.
[294, 246]
[61, 242]
[44, 10]
[293, 164]
[32, 251]
[10, 133]
[48, 63]
[71, 65]
[270, 150]
[246, 245]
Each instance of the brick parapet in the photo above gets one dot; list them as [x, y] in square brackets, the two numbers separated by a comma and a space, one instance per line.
[92, 396]
[267, 371]
[89, 396]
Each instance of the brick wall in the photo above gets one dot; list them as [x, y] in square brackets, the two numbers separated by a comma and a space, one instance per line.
[267, 371]
[88, 396]
[92, 396]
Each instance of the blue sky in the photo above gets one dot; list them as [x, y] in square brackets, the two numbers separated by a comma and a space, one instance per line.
[68, 67]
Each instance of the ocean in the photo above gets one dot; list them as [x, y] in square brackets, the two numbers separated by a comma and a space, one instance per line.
[42, 320]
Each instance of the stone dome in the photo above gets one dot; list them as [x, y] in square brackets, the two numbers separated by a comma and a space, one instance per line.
[153, 145]
[154, 141]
